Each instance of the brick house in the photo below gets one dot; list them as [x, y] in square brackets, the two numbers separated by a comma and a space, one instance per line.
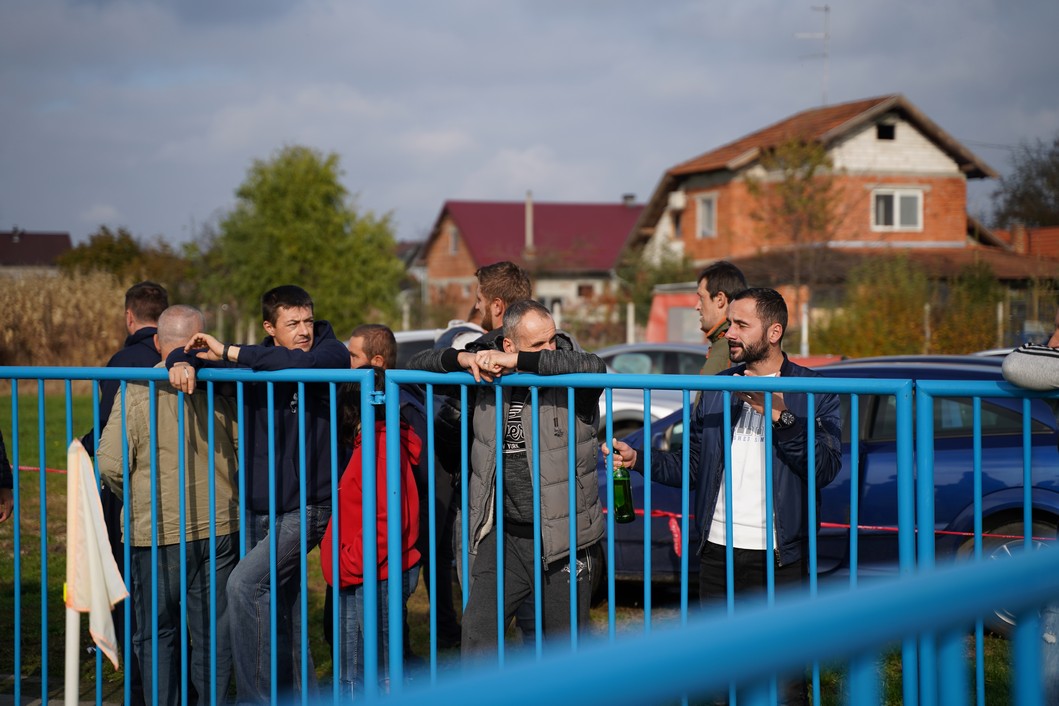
[900, 184]
[570, 249]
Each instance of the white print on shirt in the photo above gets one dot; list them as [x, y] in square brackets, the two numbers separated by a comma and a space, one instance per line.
[514, 434]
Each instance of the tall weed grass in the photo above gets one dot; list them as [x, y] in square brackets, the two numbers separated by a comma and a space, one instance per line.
[69, 320]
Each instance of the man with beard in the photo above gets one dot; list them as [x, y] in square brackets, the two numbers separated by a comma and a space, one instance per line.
[757, 320]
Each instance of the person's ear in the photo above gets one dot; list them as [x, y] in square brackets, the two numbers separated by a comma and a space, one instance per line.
[156, 346]
[775, 333]
[377, 361]
[509, 345]
[269, 328]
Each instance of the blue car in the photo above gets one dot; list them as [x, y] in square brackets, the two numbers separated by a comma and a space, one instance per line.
[1001, 421]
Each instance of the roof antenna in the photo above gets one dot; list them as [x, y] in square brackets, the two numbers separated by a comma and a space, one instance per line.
[826, 36]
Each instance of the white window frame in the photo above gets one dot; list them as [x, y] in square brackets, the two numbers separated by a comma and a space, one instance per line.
[703, 229]
[897, 195]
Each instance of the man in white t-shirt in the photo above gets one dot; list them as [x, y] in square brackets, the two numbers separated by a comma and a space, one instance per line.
[757, 320]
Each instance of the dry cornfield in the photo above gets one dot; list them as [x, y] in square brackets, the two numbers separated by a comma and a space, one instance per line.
[68, 320]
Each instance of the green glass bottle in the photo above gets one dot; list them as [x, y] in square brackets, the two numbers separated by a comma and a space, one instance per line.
[623, 508]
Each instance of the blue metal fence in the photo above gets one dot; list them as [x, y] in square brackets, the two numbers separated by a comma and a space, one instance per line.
[929, 642]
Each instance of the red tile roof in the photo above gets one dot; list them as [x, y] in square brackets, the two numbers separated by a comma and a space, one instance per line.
[1043, 242]
[826, 125]
[567, 237]
[19, 248]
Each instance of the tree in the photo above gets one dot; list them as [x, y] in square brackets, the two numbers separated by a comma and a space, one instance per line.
[130, 260]
[294, 223]
[1030, 194]
[883, 310]
[967, 320]
[797, 204]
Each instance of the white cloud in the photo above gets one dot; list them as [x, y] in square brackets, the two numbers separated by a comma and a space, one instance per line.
[99, 214]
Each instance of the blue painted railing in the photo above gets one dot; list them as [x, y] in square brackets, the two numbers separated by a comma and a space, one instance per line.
[927, 640]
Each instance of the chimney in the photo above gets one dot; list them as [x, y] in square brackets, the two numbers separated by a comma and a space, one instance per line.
[628, 199]
[1019, 239]
[529, 250]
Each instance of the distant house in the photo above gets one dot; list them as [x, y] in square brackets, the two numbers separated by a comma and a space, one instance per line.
[26, 252]
[571, 250]
[901, 186]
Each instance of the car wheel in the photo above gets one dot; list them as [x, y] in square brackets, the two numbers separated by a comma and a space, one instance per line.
[1006, 540]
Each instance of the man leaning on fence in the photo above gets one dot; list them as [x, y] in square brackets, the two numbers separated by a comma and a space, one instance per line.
[530, 344]
[1036, 367]
[757, 320]
[295, 340]
[175, 327]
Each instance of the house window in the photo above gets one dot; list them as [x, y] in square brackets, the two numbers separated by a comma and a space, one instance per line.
[585, 291]
[885, 131]
[707, 213]
[897, 209]
[454, 239]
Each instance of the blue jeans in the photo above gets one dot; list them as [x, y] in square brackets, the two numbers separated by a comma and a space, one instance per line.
[249, 599]
[351, 608]
[198, 618]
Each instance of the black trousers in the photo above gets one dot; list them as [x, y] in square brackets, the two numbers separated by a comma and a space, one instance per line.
[750, 567]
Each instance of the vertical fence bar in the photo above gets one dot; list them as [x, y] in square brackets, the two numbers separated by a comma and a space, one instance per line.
[16, 535]
[394, 552]
[501, 414]
[612, 556]
[369, 530]
[979, 631]
[336, 533]
[43, 543]
[928, 685]
[571, 480]
[183, 519]
[272, 588]
[906, 526]
[535, 485]
[854, 488]
[126, 513]
[302, 640]
[432, 536]
[647, 508]
[211, 441]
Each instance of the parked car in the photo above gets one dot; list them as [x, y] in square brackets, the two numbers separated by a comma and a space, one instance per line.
[411, 342]
[670, 357]
[1001, 442]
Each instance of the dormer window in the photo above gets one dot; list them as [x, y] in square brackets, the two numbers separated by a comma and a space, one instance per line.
[454, 239]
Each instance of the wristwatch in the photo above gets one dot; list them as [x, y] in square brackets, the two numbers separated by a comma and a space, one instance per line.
[786, 420]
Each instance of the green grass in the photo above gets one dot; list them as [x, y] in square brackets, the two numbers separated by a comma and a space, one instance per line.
[33, 486]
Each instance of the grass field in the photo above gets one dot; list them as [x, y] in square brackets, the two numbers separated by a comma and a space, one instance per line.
[42, 502]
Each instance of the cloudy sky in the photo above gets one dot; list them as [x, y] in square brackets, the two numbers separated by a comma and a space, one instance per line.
[147, 113]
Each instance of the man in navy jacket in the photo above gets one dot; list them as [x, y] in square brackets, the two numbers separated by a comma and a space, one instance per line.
[757, 319]
[144, 303]
[295, 340]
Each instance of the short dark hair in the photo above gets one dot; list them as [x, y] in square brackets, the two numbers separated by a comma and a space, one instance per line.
[286, 296]
[378, 340]
[723, 276]
[349, 406]
[514, 314]
[146, 301]
[505, 281]
[769, 304]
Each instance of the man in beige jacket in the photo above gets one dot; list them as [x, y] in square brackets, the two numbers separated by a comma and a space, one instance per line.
[208, 563]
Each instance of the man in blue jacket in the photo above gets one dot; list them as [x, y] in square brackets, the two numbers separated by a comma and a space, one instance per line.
[757, 320]
[144, 303]
[295, 340]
